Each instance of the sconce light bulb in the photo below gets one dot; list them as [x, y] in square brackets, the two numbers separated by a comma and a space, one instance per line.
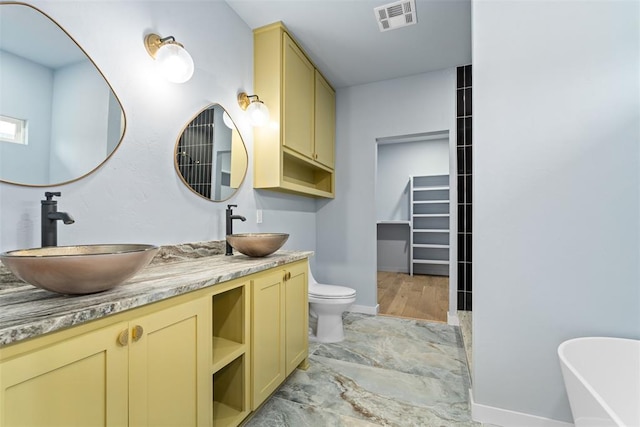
[175, 62]
[258, 113]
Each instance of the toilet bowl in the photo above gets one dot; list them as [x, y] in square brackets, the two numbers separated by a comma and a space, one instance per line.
[326, 305]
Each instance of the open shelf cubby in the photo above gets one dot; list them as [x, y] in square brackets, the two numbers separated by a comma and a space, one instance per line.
[230, 396]
[228, 327]
[299, 175]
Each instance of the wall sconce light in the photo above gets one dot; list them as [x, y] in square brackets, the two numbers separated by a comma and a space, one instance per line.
[173, 59]
[258, 112]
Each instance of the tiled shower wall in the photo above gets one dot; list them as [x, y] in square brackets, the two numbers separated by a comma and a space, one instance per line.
[464, 173]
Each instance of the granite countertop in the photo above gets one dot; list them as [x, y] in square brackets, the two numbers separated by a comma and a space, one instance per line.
[27, 311]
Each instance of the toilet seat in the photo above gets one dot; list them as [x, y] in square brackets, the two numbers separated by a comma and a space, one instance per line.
[321, 291]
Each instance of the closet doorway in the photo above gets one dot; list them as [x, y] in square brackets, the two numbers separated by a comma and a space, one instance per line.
[412, 211]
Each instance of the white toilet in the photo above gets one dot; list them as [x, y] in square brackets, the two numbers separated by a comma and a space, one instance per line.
[326, 305]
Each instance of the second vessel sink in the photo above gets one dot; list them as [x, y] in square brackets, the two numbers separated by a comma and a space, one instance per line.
[257, 244]
[82, 269]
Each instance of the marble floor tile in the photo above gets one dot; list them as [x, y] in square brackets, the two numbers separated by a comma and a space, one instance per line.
[467, 337]
[437, 333]
[282, 412]
[376, 395]
[387, 372]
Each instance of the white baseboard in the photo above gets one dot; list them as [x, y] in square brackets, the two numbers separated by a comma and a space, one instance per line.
[506, 418]
[393, 269]
[365, 309]
[453, 319]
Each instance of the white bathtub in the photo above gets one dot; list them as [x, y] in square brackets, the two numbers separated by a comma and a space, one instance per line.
[602, 378]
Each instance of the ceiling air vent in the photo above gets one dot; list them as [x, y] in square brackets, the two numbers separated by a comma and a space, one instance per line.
[396, 15]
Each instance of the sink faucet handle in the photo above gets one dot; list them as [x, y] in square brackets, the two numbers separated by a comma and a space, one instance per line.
[231, 206]
[49, 194]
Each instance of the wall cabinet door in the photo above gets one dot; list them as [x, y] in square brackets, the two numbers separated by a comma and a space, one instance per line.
[325, 122]
[267, 336]
[168, 367]
[296, 316]
[298, 93]
[78, 382]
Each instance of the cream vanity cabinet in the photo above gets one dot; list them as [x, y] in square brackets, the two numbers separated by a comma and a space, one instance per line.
[295, 153]
[183, 361]
[279, 330]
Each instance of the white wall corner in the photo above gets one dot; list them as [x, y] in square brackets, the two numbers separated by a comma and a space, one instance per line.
[453, 319]
[506, 418]
[365, 309]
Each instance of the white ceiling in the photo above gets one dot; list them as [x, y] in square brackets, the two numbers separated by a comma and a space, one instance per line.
[343, 40]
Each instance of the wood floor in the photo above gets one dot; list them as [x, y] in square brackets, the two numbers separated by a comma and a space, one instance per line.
[416, 297]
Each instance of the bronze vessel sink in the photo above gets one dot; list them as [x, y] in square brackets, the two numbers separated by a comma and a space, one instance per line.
[257, 244]
[81, 269]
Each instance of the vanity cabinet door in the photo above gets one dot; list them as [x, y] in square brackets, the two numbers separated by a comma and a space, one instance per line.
[267, 336]
[81, 381]
[296, 315]
[169, 381]
[279, 328]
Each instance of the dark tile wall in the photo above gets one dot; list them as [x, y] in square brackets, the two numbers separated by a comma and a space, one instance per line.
[464, 164]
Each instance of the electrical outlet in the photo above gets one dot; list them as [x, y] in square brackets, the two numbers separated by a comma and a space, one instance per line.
[259, 216]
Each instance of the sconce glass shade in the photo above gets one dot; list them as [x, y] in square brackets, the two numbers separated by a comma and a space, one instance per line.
[175, 62]
[258, 113]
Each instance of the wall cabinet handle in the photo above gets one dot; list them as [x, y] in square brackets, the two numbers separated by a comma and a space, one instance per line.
[136, 333]
[123, 338]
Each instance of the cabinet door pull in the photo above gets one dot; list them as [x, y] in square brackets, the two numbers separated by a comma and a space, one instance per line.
[287, 275]
[136, 333]
[123, 338]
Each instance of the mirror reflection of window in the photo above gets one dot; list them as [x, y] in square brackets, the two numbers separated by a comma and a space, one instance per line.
[13, 130]
[210, 155]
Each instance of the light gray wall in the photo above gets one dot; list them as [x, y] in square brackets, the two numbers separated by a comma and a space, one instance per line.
[78, 134]
[137, 196]
[26, 89]
[396, 163]
[556, 191]
[347, 225]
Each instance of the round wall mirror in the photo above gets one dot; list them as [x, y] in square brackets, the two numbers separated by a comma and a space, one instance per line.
[210, 157]
[59, 117]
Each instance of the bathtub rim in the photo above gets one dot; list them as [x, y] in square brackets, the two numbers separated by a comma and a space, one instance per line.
[561, 354]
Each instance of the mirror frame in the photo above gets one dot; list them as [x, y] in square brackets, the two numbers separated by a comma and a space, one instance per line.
[124, 116]
[175, 154]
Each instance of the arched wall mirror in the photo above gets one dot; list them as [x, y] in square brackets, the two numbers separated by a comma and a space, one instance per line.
[59, 118]
[210, 156]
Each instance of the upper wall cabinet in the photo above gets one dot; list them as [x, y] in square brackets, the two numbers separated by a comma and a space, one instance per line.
[295, 153]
